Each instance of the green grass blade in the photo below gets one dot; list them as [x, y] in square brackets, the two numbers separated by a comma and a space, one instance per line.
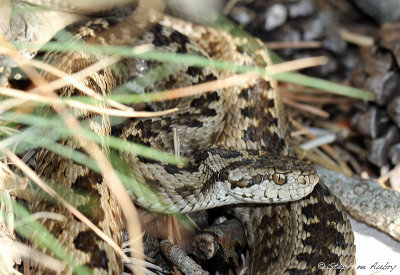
[318, 83]
[138, 85]
[324, 85]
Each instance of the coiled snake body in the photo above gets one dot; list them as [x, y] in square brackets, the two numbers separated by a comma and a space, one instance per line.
[239, 155]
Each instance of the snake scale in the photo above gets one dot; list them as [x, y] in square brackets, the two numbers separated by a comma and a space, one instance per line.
[237, 144]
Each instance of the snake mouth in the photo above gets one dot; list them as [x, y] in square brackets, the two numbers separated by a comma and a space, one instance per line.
[271, 196]
[293, 187]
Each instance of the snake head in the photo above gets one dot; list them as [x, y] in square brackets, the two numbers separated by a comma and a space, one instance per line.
[272, 179]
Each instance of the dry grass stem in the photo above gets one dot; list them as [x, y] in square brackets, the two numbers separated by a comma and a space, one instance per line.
[299, 132]
[318, 141]
[293, 45]
[41, 215]
[356, 149]
[177, 147]
[326, 148]
[298, 89]
[234, 80]
[358, 39]
[353, 162]
[17, 248]
[177, 231]
[170, 230]
[339, 166]
[323, 99]
[318, 157]
[229, 6]
[297, 64]
[305, 107]
[126, 245]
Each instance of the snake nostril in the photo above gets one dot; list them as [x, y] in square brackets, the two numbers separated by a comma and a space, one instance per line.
[301, 181]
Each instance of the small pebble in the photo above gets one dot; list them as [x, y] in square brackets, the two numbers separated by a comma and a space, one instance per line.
[394, 154]
[377, 62]
[242, 15]
[286, 34]
[335, 44]
[312, 30]
[275, 17]
[381, 11]
[315, 29]
[350, 60]
[390, 38]
[302, 8]
[383, 86]
[394, 110]
[378, 152]
[371, 123]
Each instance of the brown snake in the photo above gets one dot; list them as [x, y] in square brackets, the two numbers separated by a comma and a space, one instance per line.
[238, 148]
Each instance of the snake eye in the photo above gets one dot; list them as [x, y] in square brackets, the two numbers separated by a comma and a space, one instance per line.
[279, 179]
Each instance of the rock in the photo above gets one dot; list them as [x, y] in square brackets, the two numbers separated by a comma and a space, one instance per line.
[383, 86]
[377, 62]
[315, 29]
[350, 60]
[335, 44]
[394, 110]
[372, 123]
[378, 152]
[275, 17]
[242, 15]
[380, 11]
[390, 34]
[302, 8]
[394, 154]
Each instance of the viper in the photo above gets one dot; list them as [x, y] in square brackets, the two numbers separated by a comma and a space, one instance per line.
[236, 141]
